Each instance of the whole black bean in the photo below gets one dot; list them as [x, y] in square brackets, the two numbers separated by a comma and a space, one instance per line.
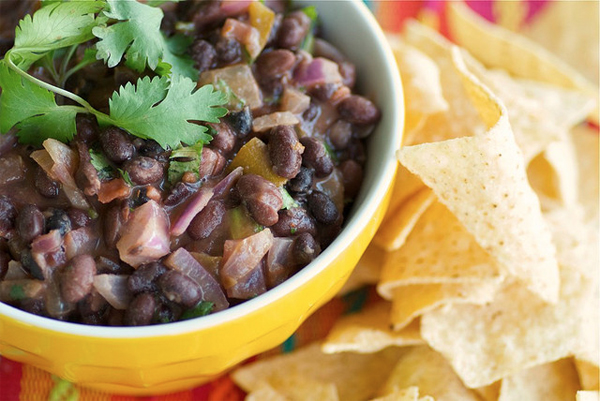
[87, 128]
[358, 110]
[305, 249]
[8, 215]
[178, 194]
[45, 185]
[211, 163]
[224, 139]
[322, 207]
[179, 288]
[203, 54]
[30, 265]
[144, 278]
[316, 156]
[302, 182]
[313, 111]
[240, 121]
[4, 259]
[144, 170]
[262, 198]
[30, 222]
[340, 134]
[207, 220]
[79, 218]
[58, 219]
[140, 310]
[77, 278]
[294, 221]
[293, 30]
[275, 63]
[116, 144]
[112, 222]
[285, 151]
[352, 173]
[152, 149]
[229, 51]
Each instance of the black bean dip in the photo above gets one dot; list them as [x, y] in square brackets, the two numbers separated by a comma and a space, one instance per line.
[112, 229]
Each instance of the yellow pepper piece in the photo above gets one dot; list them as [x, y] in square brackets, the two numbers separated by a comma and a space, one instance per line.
[261, 18]
[253, 157]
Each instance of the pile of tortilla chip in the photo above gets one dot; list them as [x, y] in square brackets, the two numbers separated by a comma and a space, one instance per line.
[487, 262]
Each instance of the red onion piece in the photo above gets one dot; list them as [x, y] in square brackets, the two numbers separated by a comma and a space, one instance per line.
[79, 242]
[113, 288]
[145, 236]
[249, 286]
[182, 261]
[225, 185]
[241, 256]
[233, 8]
[279, 266]
[191, 209]
[319, 71]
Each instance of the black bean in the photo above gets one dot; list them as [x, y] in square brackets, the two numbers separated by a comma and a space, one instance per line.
[116, 144]
[207, 220]
[152, 149]
[294, 221]
[4, 259]
[229, 51]
[77, 278]
[262, 198]
[105, 265]
[203, 54]
[275, 63]
[302, 182]
[79, 218]
[340, 134]
[30, 265]
[305, 249]
[211, 163]
[293, 30]
[322, 207]
[240, 121]
[112, 223]
[87, 128]
[8, 215]
[179, 193]
[144, 278]
[358, 110]
[45, 185]
[144, 170]
[352, 173]
[224, 139]
[285, 151]
[355, 151]
[30, 222]
[140, 310]
[58, 220]
[312, 112]
[179, 288]
[316, 156]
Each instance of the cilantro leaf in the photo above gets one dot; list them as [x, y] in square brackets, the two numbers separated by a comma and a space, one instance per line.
[56, 25]
[184, 159]
[203, 308]
[102, 165]
[288, 201]
[33, 110]
[137, 37]
[162, 111]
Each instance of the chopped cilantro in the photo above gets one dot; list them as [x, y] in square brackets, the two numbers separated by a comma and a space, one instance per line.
[102, 165]
[233, 100]
[203, 308]
[182, 160]
[309, 40]
[16, 292]
[288, 201]
[125, 176]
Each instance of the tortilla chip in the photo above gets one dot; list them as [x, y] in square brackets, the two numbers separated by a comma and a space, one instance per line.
[412, 301]
[589, 375]
[482, 180]
[556, 381]
[369, 331]
[497, 47]
[407, 394]
[399, 222]
[264, 392]
[588, 396]
[490, 392]
[455, 259]
[355, 376]
[587, 144]
[426, 369]
[367, 270]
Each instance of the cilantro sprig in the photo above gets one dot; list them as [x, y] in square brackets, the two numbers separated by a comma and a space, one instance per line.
[165, 108]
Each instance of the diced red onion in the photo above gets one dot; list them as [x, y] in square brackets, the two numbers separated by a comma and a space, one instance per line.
[225, 185]
[233, 8]
[243, 33]
[190, 210]
[113, 288]
[47, 243]
[319, 71]
[12, 169]
[81, 241]
[145, 236]
[241, 256]
[249, 286]
[279, 266]
[182, 261]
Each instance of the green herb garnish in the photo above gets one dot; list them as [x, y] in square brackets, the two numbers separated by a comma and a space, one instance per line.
[184, 159]
[203, 308]
[309, 40]
[102, 165]
[288, 201]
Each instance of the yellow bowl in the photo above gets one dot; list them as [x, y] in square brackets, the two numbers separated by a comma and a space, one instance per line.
[171, 357]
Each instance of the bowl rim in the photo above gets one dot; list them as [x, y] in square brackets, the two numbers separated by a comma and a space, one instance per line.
[349, 233]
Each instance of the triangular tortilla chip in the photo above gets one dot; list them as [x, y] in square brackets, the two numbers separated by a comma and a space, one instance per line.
[369, 331]
[588, 396]
[587, 147]
[482, 180]
[407, 394]
[367, 270]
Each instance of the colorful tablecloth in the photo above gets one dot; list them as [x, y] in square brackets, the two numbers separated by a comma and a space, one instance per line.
[20, 382]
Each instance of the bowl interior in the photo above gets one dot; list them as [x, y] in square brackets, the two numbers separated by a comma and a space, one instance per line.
[351, 27]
